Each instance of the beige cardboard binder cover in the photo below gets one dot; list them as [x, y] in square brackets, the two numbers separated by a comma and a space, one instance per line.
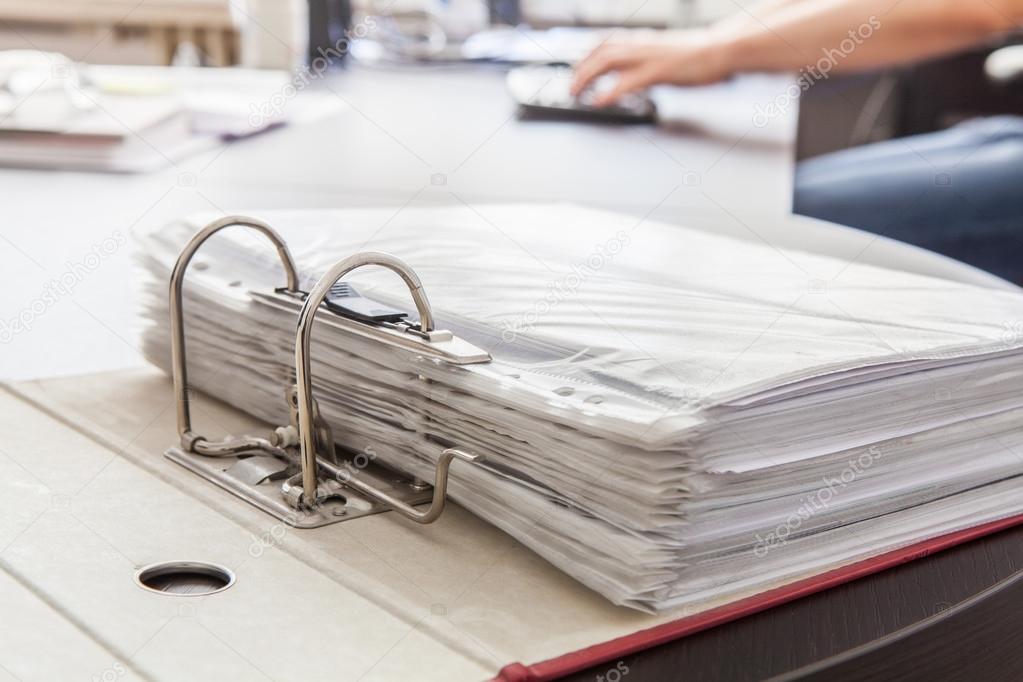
[90, 498]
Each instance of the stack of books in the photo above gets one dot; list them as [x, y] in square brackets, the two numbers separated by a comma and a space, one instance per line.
[79, 131]
[57, 114]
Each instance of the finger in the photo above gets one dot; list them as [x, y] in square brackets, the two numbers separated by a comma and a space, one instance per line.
[596, 54]
[628, 81]
[588, 69]
[597, 64]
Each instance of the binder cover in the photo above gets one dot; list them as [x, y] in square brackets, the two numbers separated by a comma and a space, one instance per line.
[457, 600]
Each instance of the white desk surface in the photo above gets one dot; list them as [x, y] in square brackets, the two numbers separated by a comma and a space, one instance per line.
[406, 138]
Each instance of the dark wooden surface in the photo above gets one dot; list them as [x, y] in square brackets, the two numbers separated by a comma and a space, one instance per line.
[954, 615]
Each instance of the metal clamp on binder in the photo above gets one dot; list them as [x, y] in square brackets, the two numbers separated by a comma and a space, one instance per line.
[296, 473]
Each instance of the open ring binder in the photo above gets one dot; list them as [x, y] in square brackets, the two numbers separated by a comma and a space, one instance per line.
[295, 474]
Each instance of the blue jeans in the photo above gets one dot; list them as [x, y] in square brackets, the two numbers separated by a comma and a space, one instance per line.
[958, 192]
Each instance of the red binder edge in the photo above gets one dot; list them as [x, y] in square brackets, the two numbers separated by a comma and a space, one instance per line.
[615, 649]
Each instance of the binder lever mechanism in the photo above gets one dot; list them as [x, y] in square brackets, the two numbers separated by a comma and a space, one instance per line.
[296, 474]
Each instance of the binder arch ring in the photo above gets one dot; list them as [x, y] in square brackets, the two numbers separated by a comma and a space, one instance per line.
[317, 488]
[191, 441]
[303, 370]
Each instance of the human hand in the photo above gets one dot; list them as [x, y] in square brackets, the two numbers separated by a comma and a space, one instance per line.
[680, 58]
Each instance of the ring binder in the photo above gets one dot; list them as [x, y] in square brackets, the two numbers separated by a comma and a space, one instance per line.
[300, 453]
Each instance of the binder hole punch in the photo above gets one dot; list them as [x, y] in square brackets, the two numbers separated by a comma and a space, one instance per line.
[296, 473]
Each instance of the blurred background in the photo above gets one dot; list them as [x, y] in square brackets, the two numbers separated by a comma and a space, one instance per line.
[286, 34]
[118, 114]
[132, 32]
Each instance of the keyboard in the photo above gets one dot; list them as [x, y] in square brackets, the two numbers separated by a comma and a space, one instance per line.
[544, 92]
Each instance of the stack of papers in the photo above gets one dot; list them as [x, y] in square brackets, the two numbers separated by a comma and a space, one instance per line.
[674, 418]
[108, 132]
[141, 118]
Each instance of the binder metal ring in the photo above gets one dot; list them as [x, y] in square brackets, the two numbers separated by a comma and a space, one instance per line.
[191, 441]
[303, 450]
[303, 371]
